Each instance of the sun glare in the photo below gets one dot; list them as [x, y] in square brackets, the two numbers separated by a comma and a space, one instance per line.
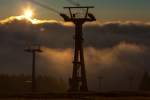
[28, 13]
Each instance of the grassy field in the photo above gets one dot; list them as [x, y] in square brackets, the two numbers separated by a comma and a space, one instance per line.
[92, 98]
[100, 98]
[78, 96]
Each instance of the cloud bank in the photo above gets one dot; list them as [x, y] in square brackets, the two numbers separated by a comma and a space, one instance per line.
[114, 51]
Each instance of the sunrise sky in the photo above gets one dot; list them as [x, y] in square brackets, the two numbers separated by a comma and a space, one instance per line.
[117, 45]
[105, 10]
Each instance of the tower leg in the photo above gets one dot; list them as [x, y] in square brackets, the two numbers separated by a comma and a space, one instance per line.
[33, 74]
[83, 71]
[78, 82]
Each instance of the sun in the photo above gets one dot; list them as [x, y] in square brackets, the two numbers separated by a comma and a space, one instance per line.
[28, 13]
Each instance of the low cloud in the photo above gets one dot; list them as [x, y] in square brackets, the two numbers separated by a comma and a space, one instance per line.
[117, 65]
[114, 65]
[55, 34]
[114, 50]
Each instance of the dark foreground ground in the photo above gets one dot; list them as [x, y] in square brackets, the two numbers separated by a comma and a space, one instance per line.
[78, 96]
[107, 98]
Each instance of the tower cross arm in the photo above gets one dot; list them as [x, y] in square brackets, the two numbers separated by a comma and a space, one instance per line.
[80, 7]
[91, 17]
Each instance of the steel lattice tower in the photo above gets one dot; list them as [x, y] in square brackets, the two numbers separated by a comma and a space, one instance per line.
[33, 50]
[78, 81]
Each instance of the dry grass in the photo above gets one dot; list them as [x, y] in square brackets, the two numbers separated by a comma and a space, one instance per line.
[94, 98]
